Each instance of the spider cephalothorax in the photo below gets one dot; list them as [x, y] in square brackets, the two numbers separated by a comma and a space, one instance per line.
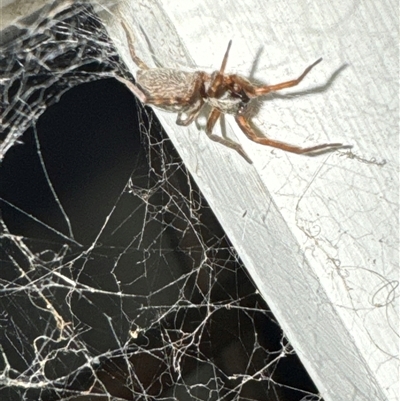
[186, 93]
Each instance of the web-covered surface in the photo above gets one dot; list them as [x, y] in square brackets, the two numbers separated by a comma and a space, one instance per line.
[115, 285]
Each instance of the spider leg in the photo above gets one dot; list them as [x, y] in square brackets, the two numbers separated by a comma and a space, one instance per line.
[250, 133]
[225, 59]
[263, 90]
[212, 119]
[255, 91]
[134, 89]
[219, 77]
[188, 115]
[129, 37]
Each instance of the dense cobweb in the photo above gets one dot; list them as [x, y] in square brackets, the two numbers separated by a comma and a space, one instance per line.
[129, 290]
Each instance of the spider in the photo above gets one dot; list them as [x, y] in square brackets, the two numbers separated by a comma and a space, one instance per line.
[187, 92]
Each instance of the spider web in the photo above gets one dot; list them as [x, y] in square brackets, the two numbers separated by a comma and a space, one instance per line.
[117, 282]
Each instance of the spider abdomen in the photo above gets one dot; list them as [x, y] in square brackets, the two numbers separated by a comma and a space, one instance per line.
[169, 89]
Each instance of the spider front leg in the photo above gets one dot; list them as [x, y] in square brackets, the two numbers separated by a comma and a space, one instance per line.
[212, 119]
[248, 130]
[255, 91]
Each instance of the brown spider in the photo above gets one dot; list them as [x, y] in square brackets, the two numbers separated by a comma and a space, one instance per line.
[186, 93]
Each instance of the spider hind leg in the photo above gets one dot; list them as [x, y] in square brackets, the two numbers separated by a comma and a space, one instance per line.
[129, 37]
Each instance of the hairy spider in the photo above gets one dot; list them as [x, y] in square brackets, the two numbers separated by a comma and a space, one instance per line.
[186, 93]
